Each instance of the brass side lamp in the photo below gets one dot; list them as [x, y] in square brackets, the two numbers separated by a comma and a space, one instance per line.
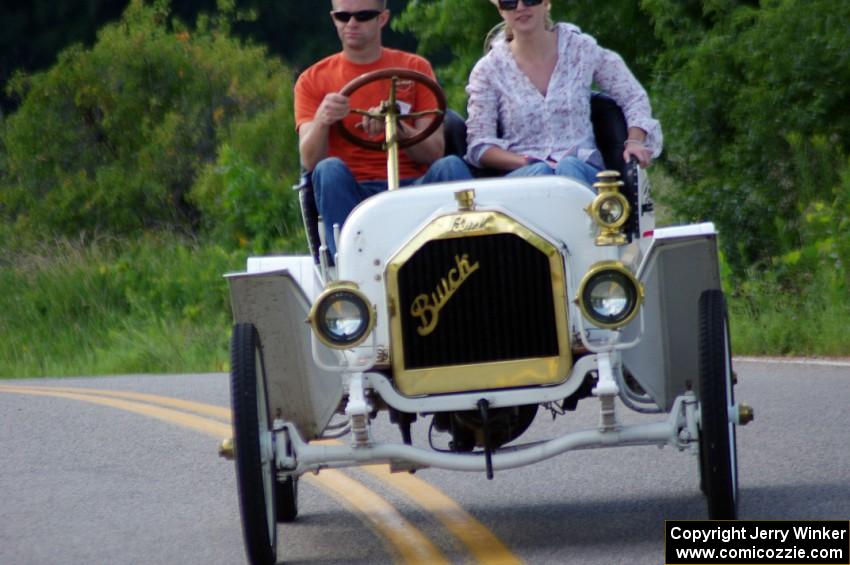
[610, 209]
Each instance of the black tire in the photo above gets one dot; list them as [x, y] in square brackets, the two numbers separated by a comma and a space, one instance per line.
[287, 499]
[717, 445]
[255, 469]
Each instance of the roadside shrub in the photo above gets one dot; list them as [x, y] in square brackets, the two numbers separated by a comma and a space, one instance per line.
[754, 103]
[112, 139]
[243, 203]
[798, 304]
[824, 241]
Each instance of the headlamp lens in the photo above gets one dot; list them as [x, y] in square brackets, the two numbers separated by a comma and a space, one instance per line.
[610, 295]
[342, 318]
[608, 299]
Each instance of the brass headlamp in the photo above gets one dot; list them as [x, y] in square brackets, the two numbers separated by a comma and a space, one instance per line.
[609, 295]
[342, 317]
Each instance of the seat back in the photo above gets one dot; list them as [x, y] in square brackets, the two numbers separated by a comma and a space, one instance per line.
[309, 213]
[454, 134]
[609, 128]
[454, 130]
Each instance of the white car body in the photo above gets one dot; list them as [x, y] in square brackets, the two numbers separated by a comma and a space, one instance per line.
[308, 382]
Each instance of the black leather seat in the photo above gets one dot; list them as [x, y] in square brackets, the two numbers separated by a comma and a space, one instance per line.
[454, 134]
[609, 127]
[309, 214]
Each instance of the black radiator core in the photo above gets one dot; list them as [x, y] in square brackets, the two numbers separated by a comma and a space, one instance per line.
[478, 299]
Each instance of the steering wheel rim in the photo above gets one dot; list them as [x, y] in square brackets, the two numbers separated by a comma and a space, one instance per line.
[391, 72]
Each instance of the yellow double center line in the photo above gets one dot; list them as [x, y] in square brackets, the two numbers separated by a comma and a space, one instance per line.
[407, 541]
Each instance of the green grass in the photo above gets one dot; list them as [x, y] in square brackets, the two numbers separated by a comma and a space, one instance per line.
[160, 305]
[812, 319]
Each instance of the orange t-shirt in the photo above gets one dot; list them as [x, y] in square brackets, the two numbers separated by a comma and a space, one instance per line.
[331, 74]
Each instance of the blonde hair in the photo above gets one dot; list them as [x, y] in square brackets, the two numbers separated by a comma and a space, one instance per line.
[503, 31]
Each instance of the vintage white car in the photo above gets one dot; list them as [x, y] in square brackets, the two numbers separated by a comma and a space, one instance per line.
[477, 304]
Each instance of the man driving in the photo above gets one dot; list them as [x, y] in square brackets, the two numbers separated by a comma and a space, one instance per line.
[345, 174]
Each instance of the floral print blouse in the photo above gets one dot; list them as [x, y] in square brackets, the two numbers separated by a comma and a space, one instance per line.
[506, 110]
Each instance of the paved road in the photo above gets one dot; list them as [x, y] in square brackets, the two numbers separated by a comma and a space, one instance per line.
[85, 483]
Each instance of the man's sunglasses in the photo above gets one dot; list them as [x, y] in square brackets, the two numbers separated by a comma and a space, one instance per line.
[360, 15]
[512, 4]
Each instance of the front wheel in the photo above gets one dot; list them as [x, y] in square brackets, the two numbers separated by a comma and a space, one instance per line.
[718, 450]
[254, 446]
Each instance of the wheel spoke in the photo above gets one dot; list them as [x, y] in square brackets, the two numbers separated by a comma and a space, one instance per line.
[423, 113]
[375, 115]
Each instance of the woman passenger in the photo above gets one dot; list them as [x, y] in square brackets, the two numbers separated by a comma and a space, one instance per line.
[529, 99]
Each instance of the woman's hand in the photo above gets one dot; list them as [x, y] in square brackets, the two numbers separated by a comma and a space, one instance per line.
[637, 148]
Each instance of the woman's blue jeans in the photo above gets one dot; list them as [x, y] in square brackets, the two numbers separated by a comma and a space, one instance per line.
[572, 167]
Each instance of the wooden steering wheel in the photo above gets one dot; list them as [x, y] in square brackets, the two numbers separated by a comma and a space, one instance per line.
[390, 107]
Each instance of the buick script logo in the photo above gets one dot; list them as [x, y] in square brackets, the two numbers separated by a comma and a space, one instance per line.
[427, 307]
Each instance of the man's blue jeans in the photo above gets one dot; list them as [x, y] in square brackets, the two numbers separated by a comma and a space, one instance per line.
[337, 192]
[572, 167]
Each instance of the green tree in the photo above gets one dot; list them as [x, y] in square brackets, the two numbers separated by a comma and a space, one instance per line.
[111, 139]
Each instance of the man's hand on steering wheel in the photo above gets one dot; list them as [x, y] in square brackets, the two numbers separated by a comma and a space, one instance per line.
[333, 108]
[372, 126]
[408, 135]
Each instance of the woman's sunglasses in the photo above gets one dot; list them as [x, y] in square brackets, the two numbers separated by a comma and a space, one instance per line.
[360, 15]
[512, 4]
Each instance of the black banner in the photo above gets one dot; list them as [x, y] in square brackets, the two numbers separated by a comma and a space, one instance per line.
[815, 542]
